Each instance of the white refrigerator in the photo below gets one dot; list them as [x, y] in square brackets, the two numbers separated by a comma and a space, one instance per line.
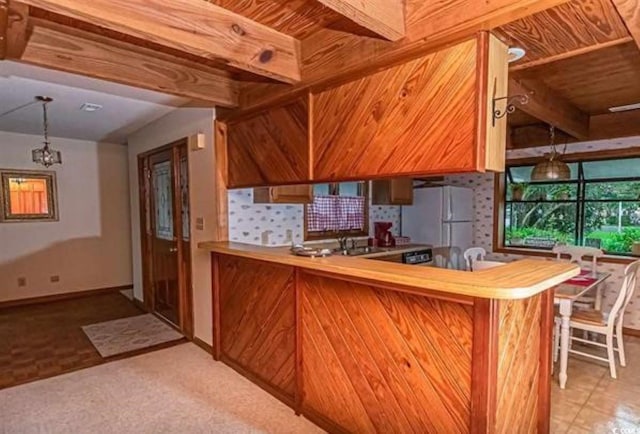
[441, 217]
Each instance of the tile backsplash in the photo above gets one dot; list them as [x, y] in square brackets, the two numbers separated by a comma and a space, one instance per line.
[279, 225]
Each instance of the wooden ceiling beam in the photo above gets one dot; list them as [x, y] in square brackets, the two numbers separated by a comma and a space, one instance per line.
[58, 47]
[383, 17]
[629, 11]
[331, 55]
[194, 26]
[14, 33]
[608, 126]
[550, 108]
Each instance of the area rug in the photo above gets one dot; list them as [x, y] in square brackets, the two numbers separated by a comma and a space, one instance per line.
[129, 334]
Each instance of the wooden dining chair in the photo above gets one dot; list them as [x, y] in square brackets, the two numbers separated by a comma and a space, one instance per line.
[577, 255]
[473, 254]
[608, 324]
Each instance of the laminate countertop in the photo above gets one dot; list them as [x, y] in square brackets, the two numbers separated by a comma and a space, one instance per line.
[515, 280]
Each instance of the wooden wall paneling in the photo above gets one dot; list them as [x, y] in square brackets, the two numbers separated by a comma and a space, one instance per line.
[493, 75]
[4, 27]
[518, 377]
[629, 11]
[59, 47]
[221, 194]
[486, 317]
[215, 300]
[221, 34]
[375, 360]
[270, 147]
[415, 118]
[332, 54]
[568, 28]
[257, 322]
[547, 317]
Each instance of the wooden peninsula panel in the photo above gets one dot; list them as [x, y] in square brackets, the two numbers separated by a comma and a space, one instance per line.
[270, 147]
[257, 322]
[417, 117]
[375, 360]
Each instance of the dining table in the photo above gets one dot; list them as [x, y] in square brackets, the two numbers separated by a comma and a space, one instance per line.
[566, 294]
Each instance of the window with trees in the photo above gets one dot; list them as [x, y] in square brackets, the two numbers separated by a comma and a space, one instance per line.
[599, 206]
[337, 209]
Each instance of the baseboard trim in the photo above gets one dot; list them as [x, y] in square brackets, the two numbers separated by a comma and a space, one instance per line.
[631, 332]
[140, 304]
[202, 344]
[62, 296]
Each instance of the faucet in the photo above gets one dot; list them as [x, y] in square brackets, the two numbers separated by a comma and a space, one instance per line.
[342, 241]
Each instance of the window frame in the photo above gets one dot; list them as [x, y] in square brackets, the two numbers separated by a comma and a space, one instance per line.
[6, 216]
[500, 202]
[334, 189]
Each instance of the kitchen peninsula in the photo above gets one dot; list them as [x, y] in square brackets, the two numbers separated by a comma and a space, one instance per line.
[367, 346]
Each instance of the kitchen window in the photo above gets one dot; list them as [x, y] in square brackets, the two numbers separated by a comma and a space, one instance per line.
[598, 206]
[337, 209]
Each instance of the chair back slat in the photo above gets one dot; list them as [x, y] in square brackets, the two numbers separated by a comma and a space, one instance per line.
[578, 253]
[626, 293]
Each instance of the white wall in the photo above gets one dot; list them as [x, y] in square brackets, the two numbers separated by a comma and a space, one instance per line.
[483, 186]
[89, 246]
[175, 126]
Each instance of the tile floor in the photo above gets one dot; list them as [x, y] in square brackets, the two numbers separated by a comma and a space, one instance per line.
[595, 403]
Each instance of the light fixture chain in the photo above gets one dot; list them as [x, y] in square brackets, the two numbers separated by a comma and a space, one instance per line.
[46, 125]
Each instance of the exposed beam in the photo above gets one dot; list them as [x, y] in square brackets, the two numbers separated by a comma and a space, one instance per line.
[58, 47]
[569, 54]
[330, 54]
[14, 33]
[601, 127]
[194, 26]
[383, 17]
[550, 108]
[629, 11]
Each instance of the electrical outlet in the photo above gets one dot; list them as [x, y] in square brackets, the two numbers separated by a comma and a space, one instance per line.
[55, 279]
[22, 282]
[200, 223]
[289, 236]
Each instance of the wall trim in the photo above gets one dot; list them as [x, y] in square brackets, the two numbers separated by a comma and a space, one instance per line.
[63, 296]
[631, 332]
[202, 344]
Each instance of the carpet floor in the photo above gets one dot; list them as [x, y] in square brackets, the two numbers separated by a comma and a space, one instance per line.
[174, 390]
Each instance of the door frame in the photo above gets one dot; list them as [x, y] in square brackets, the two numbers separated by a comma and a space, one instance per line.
[179, 149]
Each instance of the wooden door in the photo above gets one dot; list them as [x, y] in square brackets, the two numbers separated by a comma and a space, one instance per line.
[165, 238]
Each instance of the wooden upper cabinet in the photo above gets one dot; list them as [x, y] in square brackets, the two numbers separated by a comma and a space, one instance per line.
[270, 147]
[397, 191]
[284, 194]
[428, 116]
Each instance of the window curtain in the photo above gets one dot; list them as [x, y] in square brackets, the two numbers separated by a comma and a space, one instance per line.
[336, 213]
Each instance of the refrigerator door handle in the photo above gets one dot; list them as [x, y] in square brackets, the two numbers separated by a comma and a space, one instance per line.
[449, 204]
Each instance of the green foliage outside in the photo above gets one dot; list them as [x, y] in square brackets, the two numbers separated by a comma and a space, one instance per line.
[616, 242]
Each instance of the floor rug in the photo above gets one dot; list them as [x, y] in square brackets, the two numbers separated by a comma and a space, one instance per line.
[129, 334]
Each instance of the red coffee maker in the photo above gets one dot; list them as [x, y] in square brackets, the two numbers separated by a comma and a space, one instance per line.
[383, 234]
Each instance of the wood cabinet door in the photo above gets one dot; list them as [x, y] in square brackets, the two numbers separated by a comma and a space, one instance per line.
[285, 194]
[401, 191]
[270, 147]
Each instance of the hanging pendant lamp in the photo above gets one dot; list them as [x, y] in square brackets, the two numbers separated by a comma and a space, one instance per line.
[551, 169]
[45, 155]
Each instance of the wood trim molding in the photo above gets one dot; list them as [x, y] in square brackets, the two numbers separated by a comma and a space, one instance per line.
[383, 17]
[202, 344]
[484, 369]
[215, 300]
[546, 361]
[63, 296]
[631, 332]
[582, 156]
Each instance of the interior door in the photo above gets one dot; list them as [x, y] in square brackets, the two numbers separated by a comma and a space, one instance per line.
[166, 228]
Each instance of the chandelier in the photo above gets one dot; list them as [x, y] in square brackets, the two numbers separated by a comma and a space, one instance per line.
[551, 169]
[45, 155]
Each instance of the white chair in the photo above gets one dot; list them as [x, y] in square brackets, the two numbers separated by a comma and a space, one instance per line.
[596, 322]
[577, 255]
[473, 254]
[483, 265]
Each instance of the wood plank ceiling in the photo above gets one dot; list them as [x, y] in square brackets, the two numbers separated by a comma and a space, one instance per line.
[583, 56]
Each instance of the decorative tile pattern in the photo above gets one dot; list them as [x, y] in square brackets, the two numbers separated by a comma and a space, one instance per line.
[263, 224]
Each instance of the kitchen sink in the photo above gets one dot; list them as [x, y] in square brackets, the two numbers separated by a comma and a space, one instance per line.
[366, 250]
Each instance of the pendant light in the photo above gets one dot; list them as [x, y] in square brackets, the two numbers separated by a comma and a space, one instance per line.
[45, 155]
[551, 169]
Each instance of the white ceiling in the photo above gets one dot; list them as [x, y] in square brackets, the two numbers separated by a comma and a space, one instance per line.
[125, 109]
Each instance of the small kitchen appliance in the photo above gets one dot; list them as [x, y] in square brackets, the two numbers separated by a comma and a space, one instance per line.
[383, 234]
